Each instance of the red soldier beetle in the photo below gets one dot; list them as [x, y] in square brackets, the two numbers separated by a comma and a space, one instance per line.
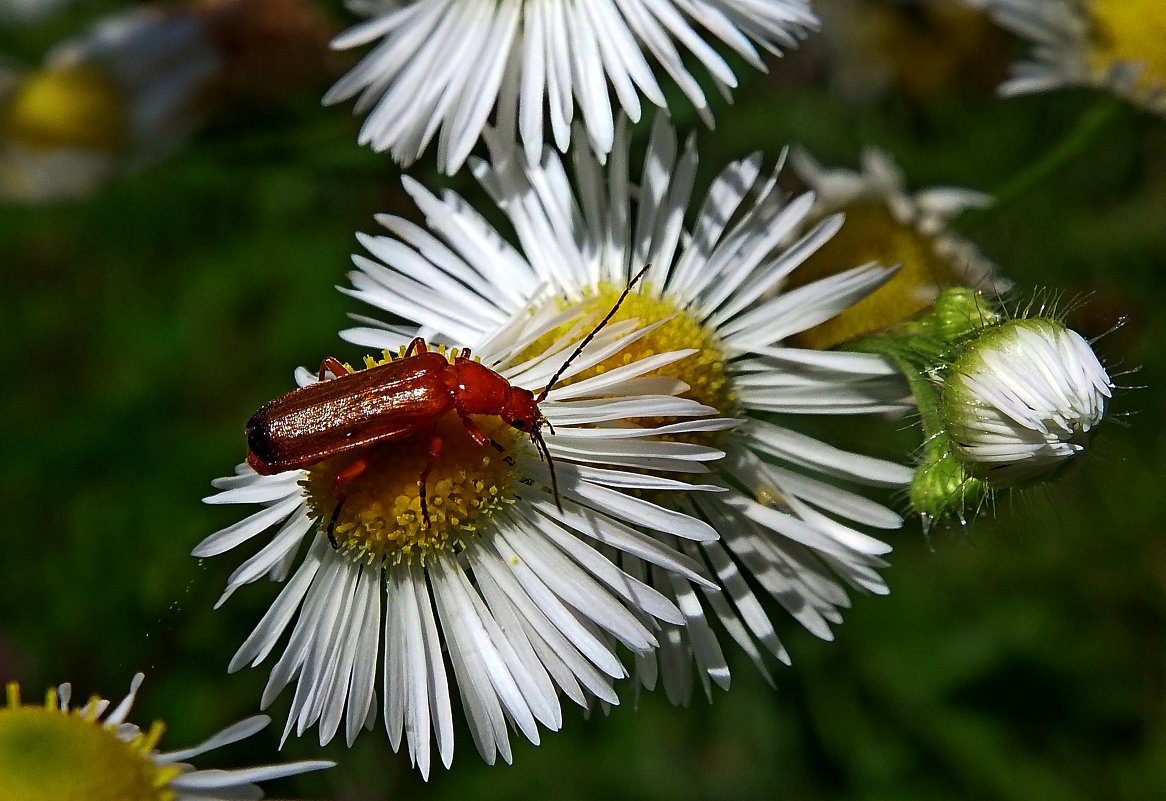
[402, 398]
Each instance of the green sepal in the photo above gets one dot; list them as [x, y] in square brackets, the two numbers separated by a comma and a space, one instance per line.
[924, 349]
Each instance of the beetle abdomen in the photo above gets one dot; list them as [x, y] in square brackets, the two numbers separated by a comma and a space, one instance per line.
[322, 420]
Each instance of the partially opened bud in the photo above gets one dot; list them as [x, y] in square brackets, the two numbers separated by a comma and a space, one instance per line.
[1003, 402]
[1022, 399]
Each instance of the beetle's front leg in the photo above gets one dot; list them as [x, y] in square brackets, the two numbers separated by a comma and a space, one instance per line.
[479, 436]
[416, 346]
[435, 445]
[334, 366]
[343, 477]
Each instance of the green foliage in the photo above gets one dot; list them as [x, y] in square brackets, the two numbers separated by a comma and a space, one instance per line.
[1021, 660]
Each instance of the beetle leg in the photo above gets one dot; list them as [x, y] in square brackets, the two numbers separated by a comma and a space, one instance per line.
[343, 477]
[334, 366]
[479, 436]
[416, 346]
[435, 445]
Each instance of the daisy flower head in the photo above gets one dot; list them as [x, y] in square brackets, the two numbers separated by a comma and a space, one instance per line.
[1118, 45]
[446, 67]
[1004, 400]
[59, 752]
[786, 531]
[887, 224]
[463, 553]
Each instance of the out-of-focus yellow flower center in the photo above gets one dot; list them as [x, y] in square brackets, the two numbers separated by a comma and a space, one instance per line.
[76, 107]
[871, 233]
[50, 755]
[381, 514]
[1132, 31]
[704, 371]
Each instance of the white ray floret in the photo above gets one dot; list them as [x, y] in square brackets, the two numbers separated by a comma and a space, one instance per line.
[445, 67]
[786, 530]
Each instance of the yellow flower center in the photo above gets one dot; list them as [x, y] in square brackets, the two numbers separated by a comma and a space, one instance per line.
[871, 233]
[76, 106]
[1130, 31]
[704, 371]
[381, 515]
[50, 755]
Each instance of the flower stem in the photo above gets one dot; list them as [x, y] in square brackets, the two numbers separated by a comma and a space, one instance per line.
[1087, 130]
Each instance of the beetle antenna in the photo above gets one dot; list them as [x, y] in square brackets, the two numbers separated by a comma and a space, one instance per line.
[587, 339]
[545, 452]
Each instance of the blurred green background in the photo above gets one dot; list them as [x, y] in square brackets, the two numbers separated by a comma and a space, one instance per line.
[1021, 659]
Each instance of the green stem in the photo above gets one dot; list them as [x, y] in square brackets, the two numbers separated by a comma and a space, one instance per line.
[1087, 130]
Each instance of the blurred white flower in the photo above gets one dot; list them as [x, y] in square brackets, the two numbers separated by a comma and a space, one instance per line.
[14, 13]
[121, 96]
[128, 92]
[1119, 45]
[887, 224]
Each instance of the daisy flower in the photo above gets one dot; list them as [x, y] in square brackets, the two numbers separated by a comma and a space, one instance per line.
[444, 67]
[1119, 45]
[57, 752]
[1022, 399]
[505, 583]
[887, 224]
[786, 531]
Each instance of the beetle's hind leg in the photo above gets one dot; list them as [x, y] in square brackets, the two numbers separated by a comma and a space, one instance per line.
[343, 477]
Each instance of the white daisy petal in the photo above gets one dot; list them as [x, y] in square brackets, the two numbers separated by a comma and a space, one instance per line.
[444, 66]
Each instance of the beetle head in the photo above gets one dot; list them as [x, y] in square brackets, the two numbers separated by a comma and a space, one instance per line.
[521, 411]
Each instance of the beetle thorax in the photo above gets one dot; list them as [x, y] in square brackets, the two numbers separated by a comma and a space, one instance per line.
[380, 518]
[477, 389]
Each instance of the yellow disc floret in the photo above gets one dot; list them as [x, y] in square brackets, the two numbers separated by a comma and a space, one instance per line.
[50, 754]
[381, 516]
[1129, 32]
[704, 371]
[75, 107]
[871, 233]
